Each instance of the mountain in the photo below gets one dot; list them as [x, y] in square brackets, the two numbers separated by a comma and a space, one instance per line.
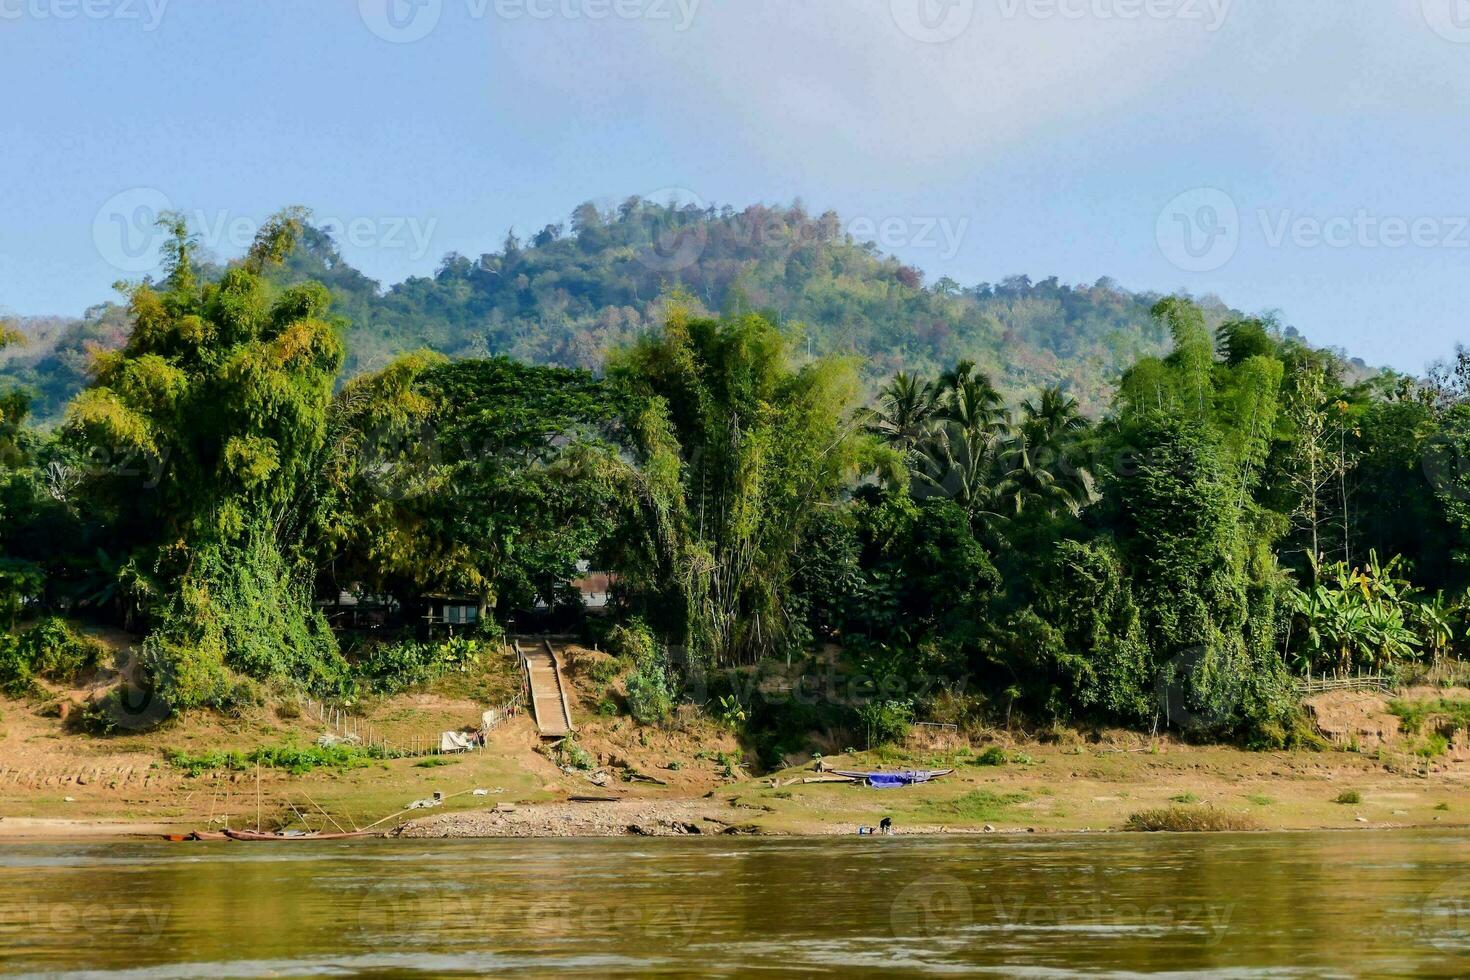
[570, 292]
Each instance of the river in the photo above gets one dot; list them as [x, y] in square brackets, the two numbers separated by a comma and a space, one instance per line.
[1323, 904]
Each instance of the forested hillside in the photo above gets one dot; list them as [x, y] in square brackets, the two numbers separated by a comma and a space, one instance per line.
[1244, 509]
[568, 293]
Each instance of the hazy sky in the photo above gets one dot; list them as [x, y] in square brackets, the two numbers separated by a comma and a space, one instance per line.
[1307, 156]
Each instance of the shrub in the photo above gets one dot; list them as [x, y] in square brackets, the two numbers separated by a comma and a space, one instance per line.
[50, 649]
[388, 668]
[1193, 819]
[296, 759]
[650, 688]
[1184, 798]
[650, 695]
[603, 672]
[1349, 797]
[993, 756]
[634, 641]
[1432, 746]
[887, 721]
[1413, 714]
[569, 753]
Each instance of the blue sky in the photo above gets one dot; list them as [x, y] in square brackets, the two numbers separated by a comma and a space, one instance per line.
[1306, 156]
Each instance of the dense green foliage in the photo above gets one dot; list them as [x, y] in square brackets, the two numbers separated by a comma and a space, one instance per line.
[484, 478]
[735, 451]
[220, 398]
[295, 759]
[947, 547]
[51, 650]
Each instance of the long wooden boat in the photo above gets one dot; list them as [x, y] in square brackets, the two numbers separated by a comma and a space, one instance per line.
[255, 835]
[902, 777]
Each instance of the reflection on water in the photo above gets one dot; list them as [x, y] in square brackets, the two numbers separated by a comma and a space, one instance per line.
[1309, 905]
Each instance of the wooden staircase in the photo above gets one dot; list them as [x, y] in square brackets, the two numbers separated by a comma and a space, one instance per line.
[548, 689]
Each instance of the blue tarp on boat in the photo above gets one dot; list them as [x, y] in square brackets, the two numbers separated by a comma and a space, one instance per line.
[893, 780]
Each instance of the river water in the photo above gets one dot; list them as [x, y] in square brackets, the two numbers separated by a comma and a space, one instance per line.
[1288, 905]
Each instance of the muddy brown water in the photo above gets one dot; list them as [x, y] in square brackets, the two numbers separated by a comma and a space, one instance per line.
[1282, 905]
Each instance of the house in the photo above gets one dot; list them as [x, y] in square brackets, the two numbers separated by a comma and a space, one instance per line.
[450, 612]
[596, 589]
[354, 608]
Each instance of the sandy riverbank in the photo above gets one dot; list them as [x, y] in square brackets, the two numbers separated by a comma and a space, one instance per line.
[59, 784]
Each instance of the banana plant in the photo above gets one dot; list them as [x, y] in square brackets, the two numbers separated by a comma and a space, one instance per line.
[1363, 616]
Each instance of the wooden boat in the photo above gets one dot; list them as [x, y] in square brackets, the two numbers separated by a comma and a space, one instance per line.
[255, 835]
[902, 777]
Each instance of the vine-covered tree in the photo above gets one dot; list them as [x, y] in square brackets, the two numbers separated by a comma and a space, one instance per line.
[209, 424]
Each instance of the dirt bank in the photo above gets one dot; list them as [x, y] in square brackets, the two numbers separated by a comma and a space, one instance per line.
[686, 778]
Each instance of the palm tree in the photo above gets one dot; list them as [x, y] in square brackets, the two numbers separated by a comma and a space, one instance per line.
[1040, 472]
[962, 464]
[970, 399]
[963, 456]
[905, 412]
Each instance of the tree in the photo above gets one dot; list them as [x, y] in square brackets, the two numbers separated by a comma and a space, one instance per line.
[1042, 471]
[735, 451]
[906, 409]
[485, 477]
[1194, 435]
[964, 456]
[215, 413]
[1318, 462]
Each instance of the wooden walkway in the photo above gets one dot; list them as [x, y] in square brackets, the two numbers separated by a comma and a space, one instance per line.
[549, 701]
